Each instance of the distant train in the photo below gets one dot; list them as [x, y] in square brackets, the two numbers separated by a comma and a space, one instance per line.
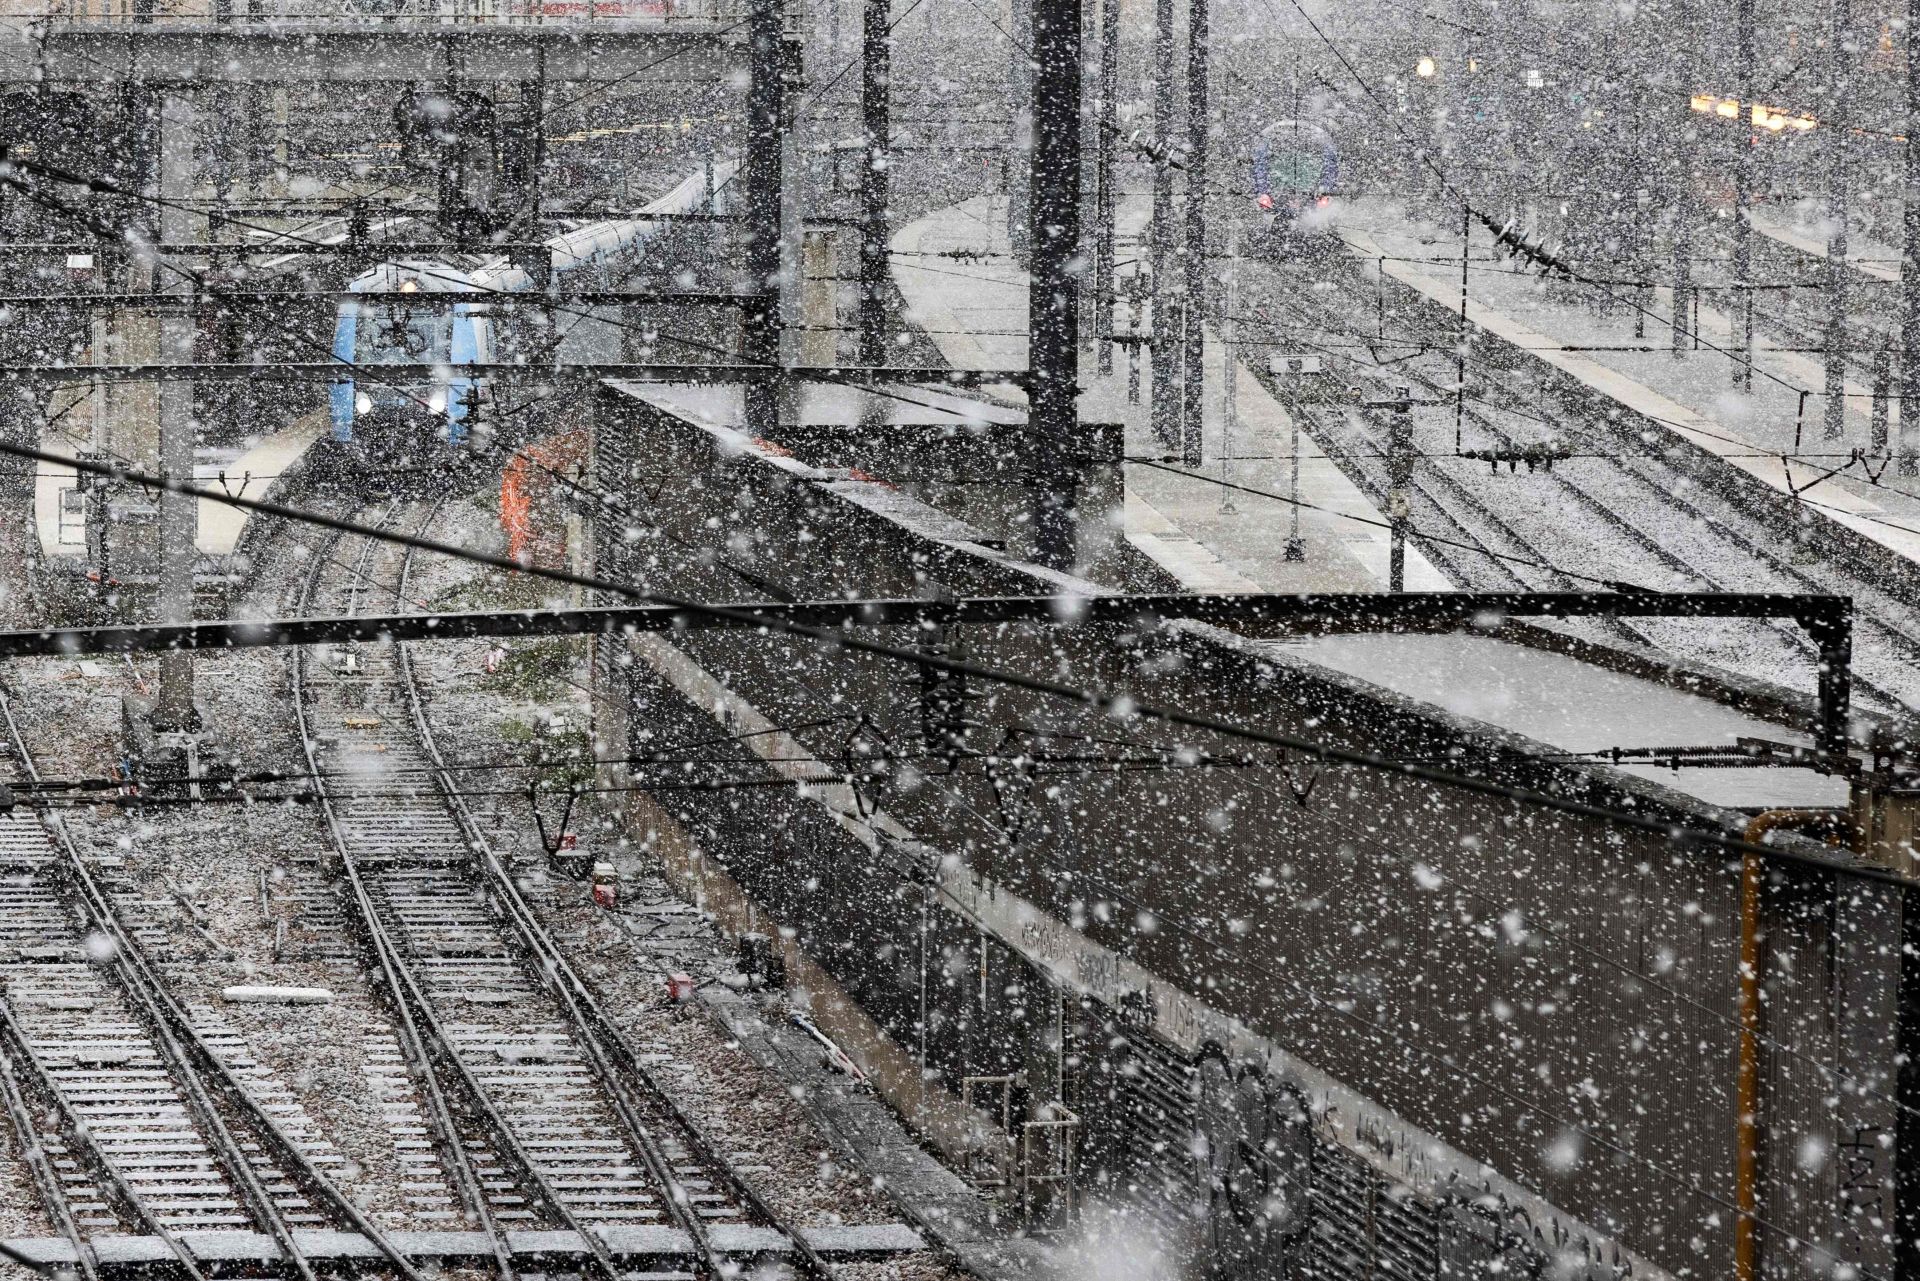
[1296, 170]
[380, 323]
[414, 314]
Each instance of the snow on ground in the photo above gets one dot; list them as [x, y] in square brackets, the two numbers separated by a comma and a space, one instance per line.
[480, 720]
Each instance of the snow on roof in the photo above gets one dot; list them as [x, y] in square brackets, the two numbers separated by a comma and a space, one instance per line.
[1573, 706]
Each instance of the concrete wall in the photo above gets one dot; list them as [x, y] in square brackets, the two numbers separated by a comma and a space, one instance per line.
[1450, 978]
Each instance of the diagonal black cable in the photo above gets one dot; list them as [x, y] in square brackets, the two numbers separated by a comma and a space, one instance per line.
[1121, 707]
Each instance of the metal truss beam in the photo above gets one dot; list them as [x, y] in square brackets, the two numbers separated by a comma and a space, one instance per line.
[295, 244]
[1828, 620]
[590, 297]
[334, 371]
[180, 52]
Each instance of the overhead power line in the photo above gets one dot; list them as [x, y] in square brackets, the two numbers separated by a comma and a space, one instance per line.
[1120, 706]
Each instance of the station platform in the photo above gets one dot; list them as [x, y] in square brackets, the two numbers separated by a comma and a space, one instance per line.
[1867, 258]
[1691, 395]
[963, 288]
[1572, 706]
[251, 472]
[967, 294]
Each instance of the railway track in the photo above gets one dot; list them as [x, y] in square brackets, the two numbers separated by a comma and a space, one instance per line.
[1615, 511]
[139, 1116]
[1798, 315]
[544, 1115]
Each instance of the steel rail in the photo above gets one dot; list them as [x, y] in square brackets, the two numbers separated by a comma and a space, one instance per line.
[52, 1195]
[1484, 418]
[453, 1151]
[595, 1245]
[1434, 482]
[193, 1064]
[132, 1206]
[105, 1167]
[613, 1054]
[544, 962]
[95, 907]
[406, 994]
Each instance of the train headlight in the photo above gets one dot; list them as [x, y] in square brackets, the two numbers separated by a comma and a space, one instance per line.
[437, 402]
[1425, 68]
[362, 403]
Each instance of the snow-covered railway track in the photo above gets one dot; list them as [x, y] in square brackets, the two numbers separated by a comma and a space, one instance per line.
[547, 1117]
[1610, 512]
[1561, 544]
[141, 1117]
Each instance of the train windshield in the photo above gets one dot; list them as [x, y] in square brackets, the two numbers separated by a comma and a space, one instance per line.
[403, 335]
[1295, 168]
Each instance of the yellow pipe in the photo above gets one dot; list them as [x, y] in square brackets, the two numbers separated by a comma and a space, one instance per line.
[1746, 1169]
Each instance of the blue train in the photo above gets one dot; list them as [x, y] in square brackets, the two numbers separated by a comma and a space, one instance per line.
[386, 415]
[1296, 170]
[411, 313]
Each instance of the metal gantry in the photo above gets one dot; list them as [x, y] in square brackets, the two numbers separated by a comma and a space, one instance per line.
[1827, 621]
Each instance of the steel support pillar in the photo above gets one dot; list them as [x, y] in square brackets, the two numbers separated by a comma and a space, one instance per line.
[1165, 406]
[1906, 1148]
[1105, 285]
[876, 93]
[1193, 349]
[533, 122]
[1053, 314]
[179, 513]
[1910, 264]
[761, 321]
[1834, 421]
[282, 133]
[1830, 628]
[819, 314]
[792, 258]
[19, 423]
[1022, 98]
[1683, 196]
[126, 414]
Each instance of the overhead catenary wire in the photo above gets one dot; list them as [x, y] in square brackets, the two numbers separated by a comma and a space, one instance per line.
[1530, 1105]
[1161, 464]
[609, 588]
[664, 758]
[654, 333]
[1121, 706]
[104, 186]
